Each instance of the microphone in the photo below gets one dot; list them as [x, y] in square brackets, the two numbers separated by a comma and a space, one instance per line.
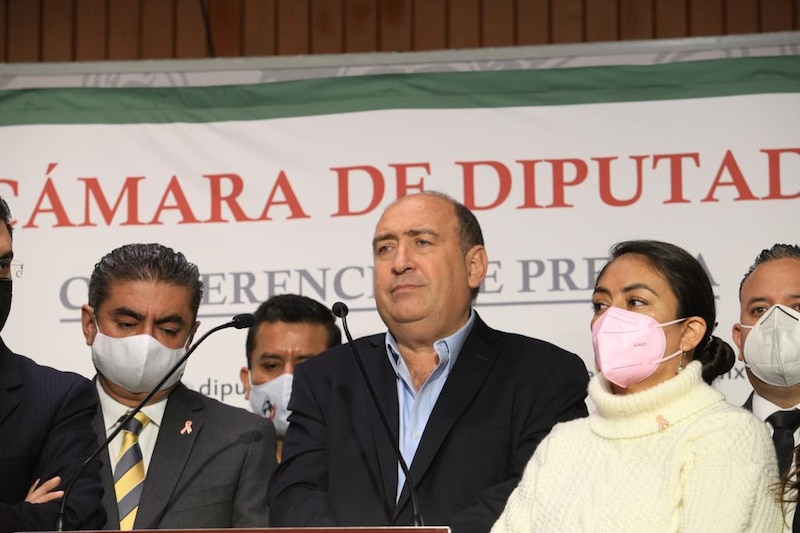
[340, 309]
[244, 320]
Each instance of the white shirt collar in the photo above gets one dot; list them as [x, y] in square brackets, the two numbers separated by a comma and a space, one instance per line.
[113, 410]
[763, 408]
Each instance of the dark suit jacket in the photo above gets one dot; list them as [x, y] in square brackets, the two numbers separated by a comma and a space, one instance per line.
[502, 396]
[214, 477]
[748, 404]
[45, 430]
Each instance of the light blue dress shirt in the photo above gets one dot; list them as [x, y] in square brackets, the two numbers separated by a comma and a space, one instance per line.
[416, 406]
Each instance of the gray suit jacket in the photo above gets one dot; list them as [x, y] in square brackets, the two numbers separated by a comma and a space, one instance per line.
[214, 477]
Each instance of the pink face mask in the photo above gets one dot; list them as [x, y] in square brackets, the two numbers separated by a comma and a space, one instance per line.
[628, 346]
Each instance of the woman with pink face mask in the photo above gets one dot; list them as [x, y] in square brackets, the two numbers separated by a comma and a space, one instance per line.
[663, 451]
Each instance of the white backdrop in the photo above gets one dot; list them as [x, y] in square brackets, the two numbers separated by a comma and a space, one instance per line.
[269, 193]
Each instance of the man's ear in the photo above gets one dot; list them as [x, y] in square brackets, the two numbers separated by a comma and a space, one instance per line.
[244, 376]
[736, 334]
[477, 265]
[87, 324]
[693, 330]
[192, 333]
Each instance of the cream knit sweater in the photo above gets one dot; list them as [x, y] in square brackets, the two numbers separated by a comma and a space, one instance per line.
[675, 457]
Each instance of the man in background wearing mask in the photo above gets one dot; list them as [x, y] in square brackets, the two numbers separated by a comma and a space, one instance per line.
[46, 427]
[768, 337]
[288, 329]
[204, 464]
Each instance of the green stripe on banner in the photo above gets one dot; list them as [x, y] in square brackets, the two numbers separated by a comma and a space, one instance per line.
[447, 90]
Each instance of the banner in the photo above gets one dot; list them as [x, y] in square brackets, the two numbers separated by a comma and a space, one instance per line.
[275, 188]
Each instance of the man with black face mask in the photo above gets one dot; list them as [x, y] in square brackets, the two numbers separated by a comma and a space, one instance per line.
[768, 337]
[46, 427]
[186, 461]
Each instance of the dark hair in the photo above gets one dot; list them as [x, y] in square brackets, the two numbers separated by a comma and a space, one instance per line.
[692, 288]
[469, 229]
[5, 214]
[144, 262]
[776, 251]
[292, 308]
[790, 481]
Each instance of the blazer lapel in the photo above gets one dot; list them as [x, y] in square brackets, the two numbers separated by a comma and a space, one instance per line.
[9, 401]
[468, 374]
[383, 380]
[109, 500]
[10, 382]
[172, 450]
[748, 404]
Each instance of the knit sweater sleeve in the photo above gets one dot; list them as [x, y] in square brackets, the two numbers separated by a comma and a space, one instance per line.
[729, 477]
[519, 513]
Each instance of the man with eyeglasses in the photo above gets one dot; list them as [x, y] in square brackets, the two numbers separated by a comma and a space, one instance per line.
[46, 427]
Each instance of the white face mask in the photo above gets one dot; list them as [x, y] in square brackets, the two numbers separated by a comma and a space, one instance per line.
[772, 348]
[271, 400]
[136, 363]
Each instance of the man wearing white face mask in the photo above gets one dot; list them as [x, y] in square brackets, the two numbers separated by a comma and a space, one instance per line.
[768, 337]
[189, 461]
[288, 329]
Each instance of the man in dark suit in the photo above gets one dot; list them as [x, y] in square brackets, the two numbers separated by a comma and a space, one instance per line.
[768, 338]
[204, 464]
[468, 404]
[45, 423]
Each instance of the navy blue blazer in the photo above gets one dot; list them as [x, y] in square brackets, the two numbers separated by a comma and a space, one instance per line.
[502, 397]
[46, 430]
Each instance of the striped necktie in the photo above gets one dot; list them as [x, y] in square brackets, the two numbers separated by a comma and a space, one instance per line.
[129, 473]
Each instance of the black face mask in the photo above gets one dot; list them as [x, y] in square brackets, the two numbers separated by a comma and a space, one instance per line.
[5, 301]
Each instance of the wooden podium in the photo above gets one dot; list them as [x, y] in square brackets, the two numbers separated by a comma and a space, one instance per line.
[343, 529]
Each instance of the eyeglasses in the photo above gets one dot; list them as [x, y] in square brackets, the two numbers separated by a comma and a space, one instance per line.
[10, 269]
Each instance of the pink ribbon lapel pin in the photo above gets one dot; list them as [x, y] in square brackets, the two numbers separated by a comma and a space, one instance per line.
[187, 428]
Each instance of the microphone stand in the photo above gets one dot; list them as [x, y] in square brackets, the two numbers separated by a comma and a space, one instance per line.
[243, 320]
[341, 310]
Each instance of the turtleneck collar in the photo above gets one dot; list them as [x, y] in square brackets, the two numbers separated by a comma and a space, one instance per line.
[652, 410]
